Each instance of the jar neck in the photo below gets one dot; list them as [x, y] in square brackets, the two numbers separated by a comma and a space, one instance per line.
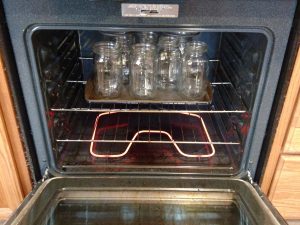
[143, 48]
[147, 37]
[124, 39]
[169, 46]
[197, 47]
[100, 47]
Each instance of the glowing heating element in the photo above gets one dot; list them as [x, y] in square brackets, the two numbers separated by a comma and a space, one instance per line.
[97, 121]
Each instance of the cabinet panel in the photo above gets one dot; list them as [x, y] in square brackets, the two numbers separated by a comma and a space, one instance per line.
[284, 129]
[15, 181]
[285, 188]
[10, 191]
[292, 143]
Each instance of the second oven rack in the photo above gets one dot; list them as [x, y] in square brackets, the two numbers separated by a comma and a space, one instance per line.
[225, 100]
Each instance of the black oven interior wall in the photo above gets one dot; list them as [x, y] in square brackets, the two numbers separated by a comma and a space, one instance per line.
[65, 62]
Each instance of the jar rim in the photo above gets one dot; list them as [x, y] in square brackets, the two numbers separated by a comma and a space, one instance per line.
[199, 45]
[183, 33]
[168, 40]
[149, 33]
[113, 33]
[104, 44]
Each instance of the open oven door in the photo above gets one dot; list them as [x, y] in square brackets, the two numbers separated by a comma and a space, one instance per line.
[146, 200]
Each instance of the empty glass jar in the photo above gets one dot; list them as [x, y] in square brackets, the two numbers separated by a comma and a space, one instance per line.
[183, 38]
[147, 37]
[143, 68]
[107, 60]
[194, 70]
[169, 63]
[124, 42]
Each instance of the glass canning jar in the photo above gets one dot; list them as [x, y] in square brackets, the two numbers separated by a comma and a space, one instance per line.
[169, 63]
[143, 69]
[124, 42]
[184, 37]
[107, 61]
[147, 37]
[195, 67]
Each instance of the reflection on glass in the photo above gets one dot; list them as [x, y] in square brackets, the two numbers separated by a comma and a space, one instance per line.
[112, 213]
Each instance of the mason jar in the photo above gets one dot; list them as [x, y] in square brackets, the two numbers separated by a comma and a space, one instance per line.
[195, 67]
[143, 70]
[108, 67]
[184, 37]
[147, 37]
[124, 42]
[169, 63]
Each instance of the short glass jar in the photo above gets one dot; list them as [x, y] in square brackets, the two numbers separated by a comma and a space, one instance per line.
[195, 69]
[143, 70]
[108, 68]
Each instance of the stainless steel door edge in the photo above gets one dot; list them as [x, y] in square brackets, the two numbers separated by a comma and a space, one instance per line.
[163, 190]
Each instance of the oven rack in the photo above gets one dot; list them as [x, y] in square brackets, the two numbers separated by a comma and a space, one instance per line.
[181, 129]
[225, 100]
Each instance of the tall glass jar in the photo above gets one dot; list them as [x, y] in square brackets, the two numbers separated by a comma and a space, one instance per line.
[183, 38]
[143, 69]
[194, 70]
[107, 61]
[124, 42]
[169, 63]
[147, 37]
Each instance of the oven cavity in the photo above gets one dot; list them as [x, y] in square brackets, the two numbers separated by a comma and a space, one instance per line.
[163, 134]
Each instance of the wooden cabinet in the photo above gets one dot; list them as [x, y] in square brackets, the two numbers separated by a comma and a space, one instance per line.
[285, 189]
[281, 180]
[292, 142]
[15, 181]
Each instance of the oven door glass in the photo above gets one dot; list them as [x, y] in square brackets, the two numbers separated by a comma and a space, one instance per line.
[145, 201]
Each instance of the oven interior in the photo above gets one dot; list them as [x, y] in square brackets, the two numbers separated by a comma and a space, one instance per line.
[192, 137]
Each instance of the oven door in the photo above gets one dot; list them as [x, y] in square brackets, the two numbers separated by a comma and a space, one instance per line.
[146, 200]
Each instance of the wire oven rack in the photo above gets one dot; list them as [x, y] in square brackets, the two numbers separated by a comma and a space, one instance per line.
[160, 132]
[210, 140]
[115, 133]
[112, 134]
[225, 100]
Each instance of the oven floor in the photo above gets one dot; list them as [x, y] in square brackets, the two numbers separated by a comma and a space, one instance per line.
[108, 213]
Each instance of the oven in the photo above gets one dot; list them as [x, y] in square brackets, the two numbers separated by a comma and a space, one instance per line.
[165, 159]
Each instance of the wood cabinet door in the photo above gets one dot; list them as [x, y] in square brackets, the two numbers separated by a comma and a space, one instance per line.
[292, 142]
[10, 192]
[285, 188]
[15, 181]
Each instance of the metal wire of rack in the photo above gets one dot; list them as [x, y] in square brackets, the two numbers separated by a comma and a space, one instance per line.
[181, 129]
[225, 100]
